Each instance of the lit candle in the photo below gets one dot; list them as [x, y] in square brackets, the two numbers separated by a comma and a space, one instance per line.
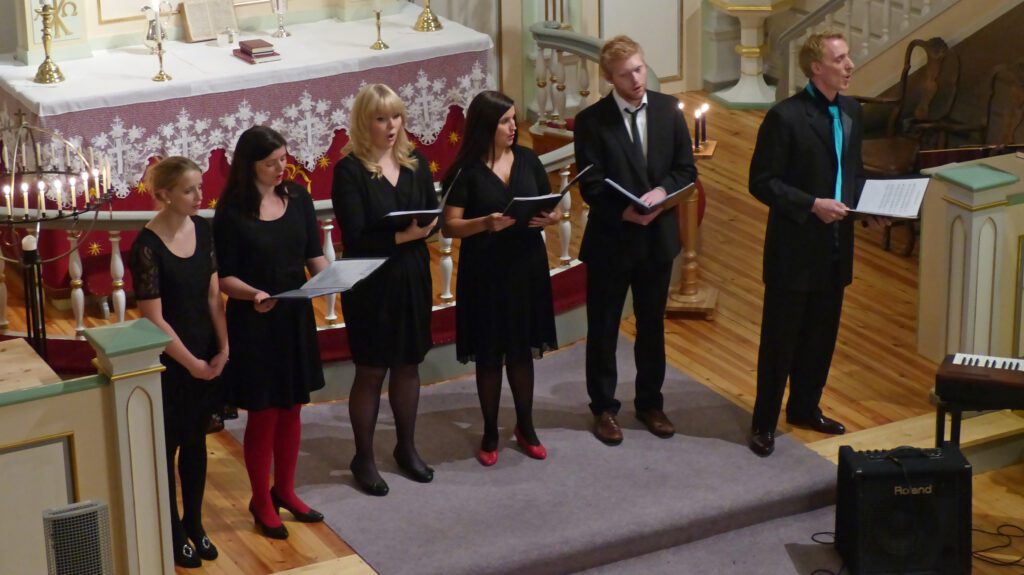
[682, 106]
[704, 122]
[159, 31]
[41, 200]
[85, 190]
[696, 128]
[24, 197]
[96, 182]
[57, 185]
[7, 198]
[72, 181]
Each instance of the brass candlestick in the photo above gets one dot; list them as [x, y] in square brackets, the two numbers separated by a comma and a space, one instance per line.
[427, 22]
[48, 72]
[379, 44]
[161, 76]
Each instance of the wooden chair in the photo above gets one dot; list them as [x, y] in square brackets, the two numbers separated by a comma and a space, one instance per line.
[1004, 113]
[912, 121]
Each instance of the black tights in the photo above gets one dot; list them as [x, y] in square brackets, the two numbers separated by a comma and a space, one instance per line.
[488, 386]
[364, 406]
[190, 444]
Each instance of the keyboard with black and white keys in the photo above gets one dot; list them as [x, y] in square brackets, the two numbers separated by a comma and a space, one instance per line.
[988, 361]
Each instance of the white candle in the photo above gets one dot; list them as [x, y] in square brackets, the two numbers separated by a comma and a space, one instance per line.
[85, 190]
[57, 185]
[7, 198]
[39, 156]
[92, 161]
[96, 182]
[41, 200]
[682, 106]
[7, 159]
[67, 157]
[159, 30]
[24, 197]
[72, 181]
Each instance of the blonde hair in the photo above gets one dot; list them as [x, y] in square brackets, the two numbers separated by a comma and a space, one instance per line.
[813, 49]
[374, 100]
[618, 48]
[164, 175]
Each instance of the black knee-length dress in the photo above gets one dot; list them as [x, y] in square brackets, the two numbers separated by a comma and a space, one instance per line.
[275, 358]
[504, 308]
[388, 313]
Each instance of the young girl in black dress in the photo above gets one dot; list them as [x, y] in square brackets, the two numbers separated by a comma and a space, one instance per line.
[175, 277]
[504, 313]
[388, 313]
[266, 235]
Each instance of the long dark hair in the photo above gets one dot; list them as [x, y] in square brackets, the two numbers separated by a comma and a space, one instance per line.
[240, 191]
[481, 123]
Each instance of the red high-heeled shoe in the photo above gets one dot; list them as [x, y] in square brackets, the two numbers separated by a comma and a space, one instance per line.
[487, 458]
[534, 451]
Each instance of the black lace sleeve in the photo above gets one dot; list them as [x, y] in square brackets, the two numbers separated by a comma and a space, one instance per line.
[145, 270]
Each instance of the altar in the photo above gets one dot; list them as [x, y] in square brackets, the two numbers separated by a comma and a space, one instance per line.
[110, 109]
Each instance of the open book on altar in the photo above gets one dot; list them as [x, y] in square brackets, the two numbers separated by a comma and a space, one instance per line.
[523, 209]
[340, 276]
[899, 199]
[670, 201]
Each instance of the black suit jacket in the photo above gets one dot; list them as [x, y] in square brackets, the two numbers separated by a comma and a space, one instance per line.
[794, 162]
[602, 140]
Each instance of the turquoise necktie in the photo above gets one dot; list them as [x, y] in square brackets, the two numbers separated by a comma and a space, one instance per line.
[837, 135]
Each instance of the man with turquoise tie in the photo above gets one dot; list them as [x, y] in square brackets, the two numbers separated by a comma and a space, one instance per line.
[805, 168]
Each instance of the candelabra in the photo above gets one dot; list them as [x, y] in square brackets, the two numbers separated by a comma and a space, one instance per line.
[427, 21]
[48, 72]
[379, 44]
[62, 179]
[280, 7]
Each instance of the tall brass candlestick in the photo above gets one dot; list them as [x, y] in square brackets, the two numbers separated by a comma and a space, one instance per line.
[428, 21]
[48, 72]
[379, 44]
[161, 76]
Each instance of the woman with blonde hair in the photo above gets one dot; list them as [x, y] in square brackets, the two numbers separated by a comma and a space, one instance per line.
[388, 313]
[174, 272]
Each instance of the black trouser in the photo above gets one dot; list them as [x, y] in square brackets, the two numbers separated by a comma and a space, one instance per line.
[798, 336]
[606, 295]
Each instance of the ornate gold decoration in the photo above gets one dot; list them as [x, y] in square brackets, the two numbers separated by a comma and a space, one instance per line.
[48, 72]
[427, 22]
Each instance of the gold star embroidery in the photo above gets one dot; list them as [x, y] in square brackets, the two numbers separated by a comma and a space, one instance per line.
[453, 138]
[142, 188]
[434, 167]
[213, 204]
[323, 162]
[95, 249]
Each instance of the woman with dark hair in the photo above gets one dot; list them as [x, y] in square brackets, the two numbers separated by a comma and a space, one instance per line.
[505, 314]
[387, 314]
[266, 236]
[174, 273]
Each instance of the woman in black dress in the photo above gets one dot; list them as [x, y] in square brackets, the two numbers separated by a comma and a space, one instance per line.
[505, 314]
[266, 235]
[175, 277]
[387, 314]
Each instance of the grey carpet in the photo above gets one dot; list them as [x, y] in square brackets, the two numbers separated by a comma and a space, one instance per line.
[587, 505]
[778, 547]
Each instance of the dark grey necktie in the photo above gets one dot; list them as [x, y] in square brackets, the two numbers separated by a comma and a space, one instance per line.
[638, 144]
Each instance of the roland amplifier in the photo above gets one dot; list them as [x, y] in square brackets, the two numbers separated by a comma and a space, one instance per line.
[905, 510]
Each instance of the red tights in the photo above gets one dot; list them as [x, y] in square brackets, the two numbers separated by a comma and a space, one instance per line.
[272, 435]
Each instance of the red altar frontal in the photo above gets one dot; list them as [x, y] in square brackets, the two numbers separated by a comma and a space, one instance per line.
[111, 110]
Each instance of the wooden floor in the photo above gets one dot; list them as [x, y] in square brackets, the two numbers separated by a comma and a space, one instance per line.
[877, 377]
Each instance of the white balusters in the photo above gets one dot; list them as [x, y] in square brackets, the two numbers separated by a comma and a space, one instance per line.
[540, 71]
[926, 6]
[446, 269]
[558, 83]
[331, 299]
[77, 293]
[3, 296]
[565, 226]
[583, 81]
[886, 19]
[117, 275]
[905, 22]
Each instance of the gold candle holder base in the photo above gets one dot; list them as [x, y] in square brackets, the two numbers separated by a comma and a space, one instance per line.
[379, 44]
[162, 76]
[48, 72]
[428, 21]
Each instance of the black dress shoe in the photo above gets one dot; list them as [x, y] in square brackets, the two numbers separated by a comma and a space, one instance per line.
[371, 486]
[279, 532]
[311, 516]
[819, 423]
[762, 442]
[416, 470]
[204, 547]
[185, 556]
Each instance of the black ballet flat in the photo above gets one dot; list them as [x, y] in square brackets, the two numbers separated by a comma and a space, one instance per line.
[311, 516]
[204, 547]
[378, 488]
[279, 532]
[185, 556]
[423, 474]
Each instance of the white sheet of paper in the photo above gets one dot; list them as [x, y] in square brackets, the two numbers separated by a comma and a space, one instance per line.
[892, 198]
[340, 276]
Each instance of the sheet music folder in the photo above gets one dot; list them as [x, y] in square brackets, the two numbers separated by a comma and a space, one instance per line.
[401, 220]
[522, 209]
[894, 198]
[341, 276]
[670, 201]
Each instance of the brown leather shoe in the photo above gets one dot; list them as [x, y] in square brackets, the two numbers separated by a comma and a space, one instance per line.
[657, 422]
[607, 429]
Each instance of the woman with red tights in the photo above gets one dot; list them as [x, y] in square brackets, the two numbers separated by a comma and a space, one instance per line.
[266, 235]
